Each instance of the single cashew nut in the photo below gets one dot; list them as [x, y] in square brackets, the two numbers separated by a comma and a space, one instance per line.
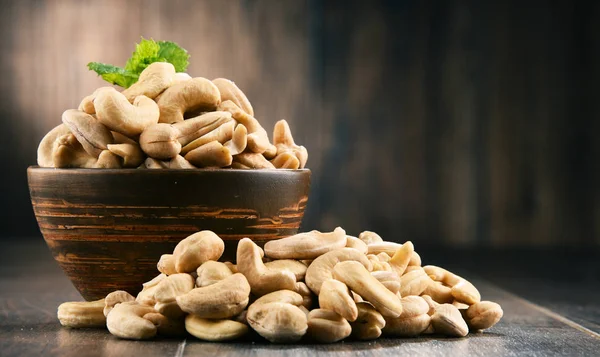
[93, 136]
[277, 316]
[81, 314]
[238, 142]
[114, 298]
[253, 161]
[447, 320]
[126, 320]
[220, 300]
[214, 330]
[229, 91]
[131, 154]
[483, 315]
[307, 245]
[196, 249]
[462, 289]
[166, 264]
[399, 261]
[213, 154]
[153, 80]
[358, 279]
[262, 279]
[321, 268]
[355, 243]
[327, 326]
[294, 266]
[211, 272]
[414, 283]
[115, 111]
[173, 286]
[368, 324]
[47, 145]
[335, 296]
[283, 140]
[159, 141]
[191, 95]
[370, 237]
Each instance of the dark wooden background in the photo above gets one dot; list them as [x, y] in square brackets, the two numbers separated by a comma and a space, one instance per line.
[444, 122]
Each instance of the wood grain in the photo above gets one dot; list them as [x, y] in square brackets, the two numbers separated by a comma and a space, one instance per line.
[108, 228]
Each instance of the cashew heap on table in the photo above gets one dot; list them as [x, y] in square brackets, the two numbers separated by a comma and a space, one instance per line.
[313, 286]
[168, 120]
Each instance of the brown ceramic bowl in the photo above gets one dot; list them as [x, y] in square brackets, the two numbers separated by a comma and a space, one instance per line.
[108, 228]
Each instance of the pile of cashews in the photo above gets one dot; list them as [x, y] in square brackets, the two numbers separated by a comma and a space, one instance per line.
[312, 287]
[168, 120]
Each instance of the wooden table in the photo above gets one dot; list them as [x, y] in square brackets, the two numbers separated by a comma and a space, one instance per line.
[557, 314]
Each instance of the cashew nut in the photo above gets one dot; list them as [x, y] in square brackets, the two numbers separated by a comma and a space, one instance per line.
[483, 315]
[126, 320]
[462, 289]
[196, 249]
[116, 297]
[178, 162]
[220, 300]
[294, 266]
[191, 95]
[159, 141]
[258, 140]
[439, 292]
[169, 288]
[401, 257]
[80, 314]
[238, 142]
[414, 283]
[355, 243]
[447, 320]
[166, 326]
[335, 296]
[115, 111]
[369, 323]
[46, 148]
[358, 279]
[68, 152]
[321, 268]
[211, 272]
[277, 316]
[166, 264]
[153, 80]
[307, 245]
[389, 279]
[214, 330]
[253, 161]
[262, 279]
[370, 237]
[327, 326]
[213, 154]
[283, 140]
[131, 154]
[229, 91]
[93, 136]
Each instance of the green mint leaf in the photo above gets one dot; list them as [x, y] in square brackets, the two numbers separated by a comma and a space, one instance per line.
[172, 53]
[113, 74]
[146, 52]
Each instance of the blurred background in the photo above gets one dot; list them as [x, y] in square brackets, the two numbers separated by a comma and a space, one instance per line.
[459, 123]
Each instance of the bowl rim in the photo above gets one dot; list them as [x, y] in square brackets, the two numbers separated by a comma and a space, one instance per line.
[151, 171]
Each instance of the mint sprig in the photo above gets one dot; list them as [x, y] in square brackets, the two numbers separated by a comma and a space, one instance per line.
[146, 52]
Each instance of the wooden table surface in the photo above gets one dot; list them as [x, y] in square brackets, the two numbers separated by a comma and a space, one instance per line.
[557, 314]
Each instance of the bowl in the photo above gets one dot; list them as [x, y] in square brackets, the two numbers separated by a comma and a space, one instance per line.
[108, 228]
